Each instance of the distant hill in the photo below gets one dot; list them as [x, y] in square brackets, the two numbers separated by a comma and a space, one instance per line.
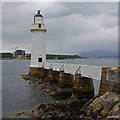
[98, 53]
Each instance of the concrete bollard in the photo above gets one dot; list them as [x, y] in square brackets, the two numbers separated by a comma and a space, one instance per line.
[35, 72]
[91, 85]
[69, 79]
[77, 80]
[50, 71]
[55, 77]
[38, 72]
[65, 79]
[83, 87]
[50, 75]
[104, 85]
[46, 73]
[61, 81]
[42, 72]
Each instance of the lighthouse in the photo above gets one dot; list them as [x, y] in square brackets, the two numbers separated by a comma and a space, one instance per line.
[38, 30]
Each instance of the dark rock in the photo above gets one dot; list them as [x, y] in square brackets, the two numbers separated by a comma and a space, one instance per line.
[88, 118]
[59, 110]
[113, 118]
[102, 105]
[115, 111]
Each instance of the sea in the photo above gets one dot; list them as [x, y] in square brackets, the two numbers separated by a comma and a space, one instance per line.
[18, 95]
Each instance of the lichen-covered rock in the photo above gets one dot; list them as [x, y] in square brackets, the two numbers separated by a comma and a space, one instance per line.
[113, 118]
[59, 110]
[102, 105]
[105, 107]
[115, 111]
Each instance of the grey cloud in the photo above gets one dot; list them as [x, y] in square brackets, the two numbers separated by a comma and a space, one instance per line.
[87, 9]
[71, 27]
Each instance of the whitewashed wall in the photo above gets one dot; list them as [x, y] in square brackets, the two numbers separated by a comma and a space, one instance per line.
[86, 70]
[38, 47]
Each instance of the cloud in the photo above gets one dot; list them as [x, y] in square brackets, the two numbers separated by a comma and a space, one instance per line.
[71, 27]
[0, 26]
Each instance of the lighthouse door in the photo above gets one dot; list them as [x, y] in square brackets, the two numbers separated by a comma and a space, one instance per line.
[39, 59]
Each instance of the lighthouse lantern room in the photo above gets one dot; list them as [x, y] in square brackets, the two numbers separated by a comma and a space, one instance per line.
[38, 30]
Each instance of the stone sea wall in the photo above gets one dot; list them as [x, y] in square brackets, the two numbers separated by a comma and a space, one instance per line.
[82, 105]
[59, 81]
[110, 80]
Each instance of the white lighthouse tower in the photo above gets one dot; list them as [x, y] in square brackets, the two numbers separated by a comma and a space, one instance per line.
[38, 30]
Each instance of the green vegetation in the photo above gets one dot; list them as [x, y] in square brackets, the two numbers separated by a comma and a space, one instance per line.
[6, 55]
[52, 56]
[48, 56]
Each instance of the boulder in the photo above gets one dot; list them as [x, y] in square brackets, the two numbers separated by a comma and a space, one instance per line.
[115, 111]
[113, 118]
[103, 105]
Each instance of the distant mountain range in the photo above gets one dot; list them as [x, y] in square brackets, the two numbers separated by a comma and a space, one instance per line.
[98, 53]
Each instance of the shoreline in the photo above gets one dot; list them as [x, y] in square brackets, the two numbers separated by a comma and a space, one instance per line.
[46, 59]
[80, 105]
[97, 108]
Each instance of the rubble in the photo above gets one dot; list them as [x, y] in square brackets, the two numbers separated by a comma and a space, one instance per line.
[102, 107]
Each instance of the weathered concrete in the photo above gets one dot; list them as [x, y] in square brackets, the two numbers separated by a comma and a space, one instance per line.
[38, 72]
[55, 76]
[65, 79]
[83, 87]
[113, 78]
[35, 71]
[60, 82]
[104, 85]
[110, 80]
[50, 75]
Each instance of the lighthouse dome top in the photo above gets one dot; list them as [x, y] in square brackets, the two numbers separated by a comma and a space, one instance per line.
[38, 18]
[38, 14]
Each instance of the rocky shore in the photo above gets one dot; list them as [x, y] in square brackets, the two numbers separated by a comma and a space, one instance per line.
[105, 107]
[59, 82]
[45, 85]
[82, 105]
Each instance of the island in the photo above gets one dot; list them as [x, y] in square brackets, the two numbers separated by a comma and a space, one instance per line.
[9, 55]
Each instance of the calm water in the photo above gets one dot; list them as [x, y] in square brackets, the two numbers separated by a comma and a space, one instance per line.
[113, 62]
[19, 95]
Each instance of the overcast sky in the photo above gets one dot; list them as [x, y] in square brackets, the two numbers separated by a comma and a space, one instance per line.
[72, 28]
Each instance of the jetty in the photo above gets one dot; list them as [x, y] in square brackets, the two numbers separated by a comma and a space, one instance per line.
[83, 103]
[86, 70]
[60, 78]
